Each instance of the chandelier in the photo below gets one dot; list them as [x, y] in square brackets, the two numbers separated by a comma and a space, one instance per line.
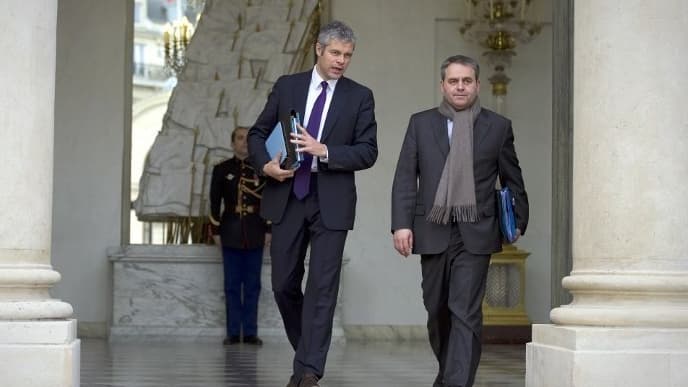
[499, 26]
[176, 38]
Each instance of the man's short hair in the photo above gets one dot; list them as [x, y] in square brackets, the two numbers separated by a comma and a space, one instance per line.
[460, 59]
[336, 30]
[235, 130]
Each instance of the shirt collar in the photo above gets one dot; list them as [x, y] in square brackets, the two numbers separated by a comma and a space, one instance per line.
[316, 80]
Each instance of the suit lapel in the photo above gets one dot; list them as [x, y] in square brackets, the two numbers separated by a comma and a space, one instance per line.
[300, 94]
[480, 129]
[336, 106]
[439, 128]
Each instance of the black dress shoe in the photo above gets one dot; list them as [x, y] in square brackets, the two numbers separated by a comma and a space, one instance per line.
[253, 340]
[293, 381]
[309, 380]
[438, 381]
[231, 340]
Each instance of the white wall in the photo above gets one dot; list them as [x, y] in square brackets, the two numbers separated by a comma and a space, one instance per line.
[400, 46]
[91, 76]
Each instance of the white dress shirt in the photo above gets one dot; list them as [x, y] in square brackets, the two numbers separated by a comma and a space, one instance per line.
[314, 90]
[450, 129]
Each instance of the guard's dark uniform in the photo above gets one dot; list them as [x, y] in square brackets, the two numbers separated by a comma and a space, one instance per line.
[235, 194]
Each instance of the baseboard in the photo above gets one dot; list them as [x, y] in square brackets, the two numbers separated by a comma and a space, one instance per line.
[385, 332]
[92, 330]
[492, 334]
[507, 334]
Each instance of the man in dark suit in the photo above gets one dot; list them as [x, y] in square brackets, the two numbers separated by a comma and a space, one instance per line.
[235, 195]
[444, 208]
[314, 204]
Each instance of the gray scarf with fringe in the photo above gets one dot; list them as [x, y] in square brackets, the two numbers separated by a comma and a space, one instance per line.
[455, 196]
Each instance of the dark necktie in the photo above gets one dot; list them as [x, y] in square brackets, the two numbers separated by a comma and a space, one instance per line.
[302, 176]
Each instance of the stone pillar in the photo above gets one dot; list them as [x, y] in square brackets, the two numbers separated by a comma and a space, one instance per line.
[628, 322]
[38, 345]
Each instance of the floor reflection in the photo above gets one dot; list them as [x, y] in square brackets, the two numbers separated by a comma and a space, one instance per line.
[379, 364]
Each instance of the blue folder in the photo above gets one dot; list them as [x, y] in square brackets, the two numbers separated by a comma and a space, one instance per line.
[507, 219]
[276, 143]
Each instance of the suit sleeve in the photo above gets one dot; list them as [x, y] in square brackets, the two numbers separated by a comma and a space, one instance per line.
[268, 224]
[362, 152]
[215, 197]
[510, 176]
[257, 152]
[405, 185]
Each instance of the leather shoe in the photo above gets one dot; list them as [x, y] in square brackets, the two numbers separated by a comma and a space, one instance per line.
[438, 381]
[309, 380]
[231, 340]
[253, 340]
[293, 381]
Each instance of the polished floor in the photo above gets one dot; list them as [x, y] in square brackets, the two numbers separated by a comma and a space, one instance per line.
[373, 364]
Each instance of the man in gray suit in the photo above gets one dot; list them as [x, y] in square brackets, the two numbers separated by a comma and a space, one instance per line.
[444, 208]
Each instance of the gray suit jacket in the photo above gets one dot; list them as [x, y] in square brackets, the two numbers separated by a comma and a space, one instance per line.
[418, 173]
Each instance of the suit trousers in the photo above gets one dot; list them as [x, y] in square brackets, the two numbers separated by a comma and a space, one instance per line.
[308, 315]
[453, 290]
[242, 269]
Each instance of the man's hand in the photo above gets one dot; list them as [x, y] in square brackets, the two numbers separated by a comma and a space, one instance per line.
[273, 169]
[306, 143]
[403, 241]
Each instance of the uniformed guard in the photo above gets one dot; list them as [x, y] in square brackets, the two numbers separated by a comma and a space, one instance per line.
[235, 194]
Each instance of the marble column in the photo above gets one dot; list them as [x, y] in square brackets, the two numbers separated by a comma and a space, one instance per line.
[38, 344]
[628, 322]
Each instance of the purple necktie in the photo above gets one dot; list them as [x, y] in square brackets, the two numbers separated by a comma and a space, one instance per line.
[302, 176]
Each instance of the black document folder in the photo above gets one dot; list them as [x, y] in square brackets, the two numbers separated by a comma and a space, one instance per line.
[279, 142]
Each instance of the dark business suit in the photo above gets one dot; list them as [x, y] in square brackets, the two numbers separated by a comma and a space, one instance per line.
[455, 257]
[322, 218]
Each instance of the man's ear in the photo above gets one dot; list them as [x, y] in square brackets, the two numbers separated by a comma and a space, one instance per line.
[318, 49]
